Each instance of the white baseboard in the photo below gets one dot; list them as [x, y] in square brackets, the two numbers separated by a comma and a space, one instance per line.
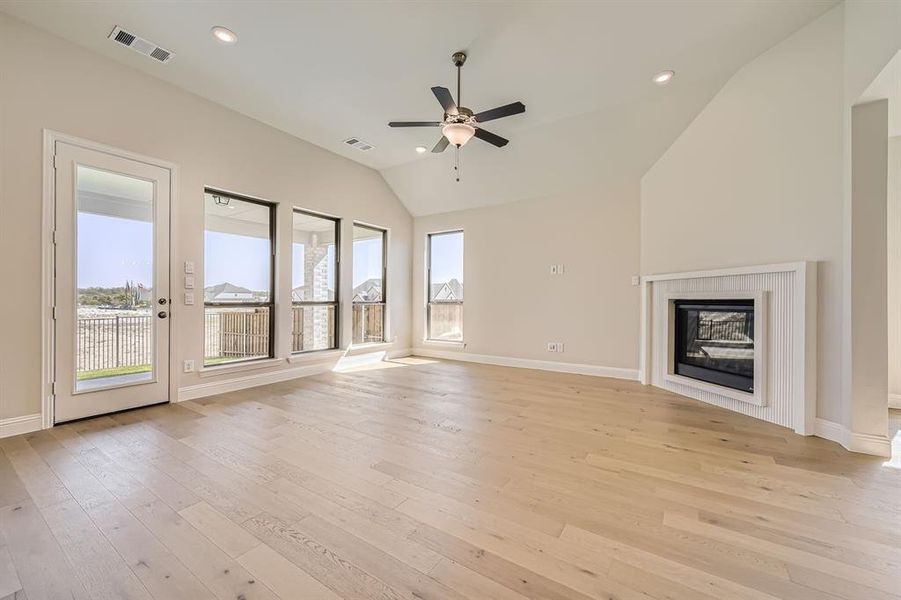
[201, 390]
[865, 443]
[19, 425]
[894, 400]
[530, 363]
[402, 353]
[361, 355]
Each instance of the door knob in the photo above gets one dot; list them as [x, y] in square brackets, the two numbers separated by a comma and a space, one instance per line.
[162, 314]
[162, 300]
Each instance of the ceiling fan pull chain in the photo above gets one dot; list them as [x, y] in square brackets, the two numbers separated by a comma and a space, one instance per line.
[457, 164]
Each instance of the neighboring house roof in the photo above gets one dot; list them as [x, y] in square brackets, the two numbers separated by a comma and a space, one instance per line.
[449, 290]
[368, 291]
[229, 291]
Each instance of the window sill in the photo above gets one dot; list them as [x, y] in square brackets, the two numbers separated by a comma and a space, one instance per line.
[239, 366]
[314, 356]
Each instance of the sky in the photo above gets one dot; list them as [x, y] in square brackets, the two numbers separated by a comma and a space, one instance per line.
[367, 260]
[112, 251]
[237, 259]
[447, 257]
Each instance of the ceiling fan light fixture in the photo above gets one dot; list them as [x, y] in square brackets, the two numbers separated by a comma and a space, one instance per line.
[458, 133]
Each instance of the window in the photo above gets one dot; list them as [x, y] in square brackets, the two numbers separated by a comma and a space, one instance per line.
[369, 284]
[238, 267]
[314, 282]
[445, 286]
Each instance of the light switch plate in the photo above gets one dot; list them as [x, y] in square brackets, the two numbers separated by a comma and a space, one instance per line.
[189, 267]
[189, 298]
[189, 282]
[636, 280]
[189, 366]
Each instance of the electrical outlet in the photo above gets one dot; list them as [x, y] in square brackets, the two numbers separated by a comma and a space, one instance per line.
[636, 280]
[560, 269]
[189, 366]
[551, 346]
[553, 269]
[559, 346]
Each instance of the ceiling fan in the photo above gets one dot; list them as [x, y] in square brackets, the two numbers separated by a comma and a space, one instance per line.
[460, 124]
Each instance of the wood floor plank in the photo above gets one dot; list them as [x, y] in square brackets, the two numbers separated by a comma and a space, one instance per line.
[220, 573]
[227, 535]
[33, 550]
[282, 576]
[9, 579]
[420, 478]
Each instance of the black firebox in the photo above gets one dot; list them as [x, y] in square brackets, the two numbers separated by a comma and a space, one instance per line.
[714, 342]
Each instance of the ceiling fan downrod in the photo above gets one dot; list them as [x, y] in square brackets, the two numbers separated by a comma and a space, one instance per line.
[459, 59]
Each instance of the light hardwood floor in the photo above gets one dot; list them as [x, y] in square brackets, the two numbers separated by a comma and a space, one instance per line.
[437, 480]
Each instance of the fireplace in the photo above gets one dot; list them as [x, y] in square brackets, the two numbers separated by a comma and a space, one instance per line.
[713, 341]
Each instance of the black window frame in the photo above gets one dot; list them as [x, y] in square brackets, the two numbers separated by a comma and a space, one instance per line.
[273, 229]
[336, 338]
[428, 288]
[384, 300]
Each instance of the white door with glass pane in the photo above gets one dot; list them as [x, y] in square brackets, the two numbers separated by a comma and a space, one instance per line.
[111, 285]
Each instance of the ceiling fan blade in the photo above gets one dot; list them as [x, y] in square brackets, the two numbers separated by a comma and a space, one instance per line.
[500, 112]
[491, 138]
[441, 145]
[414, 124]
[447, 101]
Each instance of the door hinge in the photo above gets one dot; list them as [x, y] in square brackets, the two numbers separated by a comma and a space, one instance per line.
[53, 236]
[53, 388]
[53, 309]
[53, 161]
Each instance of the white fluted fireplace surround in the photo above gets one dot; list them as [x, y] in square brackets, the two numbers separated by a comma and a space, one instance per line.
[785, 304]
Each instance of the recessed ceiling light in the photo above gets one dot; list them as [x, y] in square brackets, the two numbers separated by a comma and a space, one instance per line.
[421, 149]
[663, 77]
[224, 35]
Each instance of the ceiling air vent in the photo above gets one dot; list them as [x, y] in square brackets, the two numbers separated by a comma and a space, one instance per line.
[140, 45]
[359, 144]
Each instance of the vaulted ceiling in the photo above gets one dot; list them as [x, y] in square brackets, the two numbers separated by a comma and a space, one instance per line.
[327, 71]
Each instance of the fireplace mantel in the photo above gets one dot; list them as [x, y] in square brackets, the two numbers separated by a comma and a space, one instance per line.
[787, 394]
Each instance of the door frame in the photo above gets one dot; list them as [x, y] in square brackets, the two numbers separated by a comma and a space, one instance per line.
[48, 225]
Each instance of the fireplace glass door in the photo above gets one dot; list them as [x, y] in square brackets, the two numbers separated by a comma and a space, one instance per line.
[714, 342]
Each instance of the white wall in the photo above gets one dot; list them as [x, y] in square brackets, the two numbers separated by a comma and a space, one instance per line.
[893, 220]
[869, 293]
[757, 179]
[514, 306]
[46, 82]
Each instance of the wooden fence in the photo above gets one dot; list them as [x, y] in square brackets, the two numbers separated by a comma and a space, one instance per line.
[235, 333]
[446, 321]
[368, 323]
